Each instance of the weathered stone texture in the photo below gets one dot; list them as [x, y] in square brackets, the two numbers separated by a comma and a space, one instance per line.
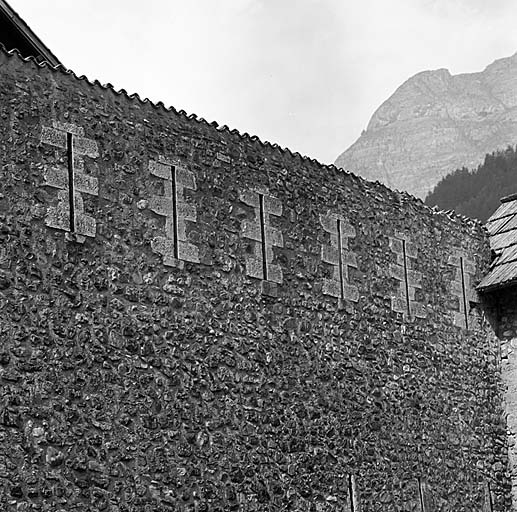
[128, 385]
[260, 230]
[59, 216]
[338, 255]
[174, 246]
[507, 333]
[404, 300]
[465, 316]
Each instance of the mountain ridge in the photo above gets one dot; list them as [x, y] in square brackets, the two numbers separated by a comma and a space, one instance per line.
[436, 122]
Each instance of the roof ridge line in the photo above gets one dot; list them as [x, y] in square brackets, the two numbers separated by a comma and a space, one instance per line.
[451, 214]
[508, 199]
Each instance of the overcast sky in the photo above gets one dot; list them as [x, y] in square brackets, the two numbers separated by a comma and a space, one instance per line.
[307, 74]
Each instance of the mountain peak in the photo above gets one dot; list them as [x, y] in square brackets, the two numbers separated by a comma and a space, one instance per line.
[436, 122]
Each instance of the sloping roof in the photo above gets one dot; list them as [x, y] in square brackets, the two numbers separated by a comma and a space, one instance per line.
[502, 229]
[16, 34]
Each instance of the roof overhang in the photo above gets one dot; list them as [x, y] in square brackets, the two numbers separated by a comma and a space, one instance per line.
[502, 232]
[496, 287]
[16, 34]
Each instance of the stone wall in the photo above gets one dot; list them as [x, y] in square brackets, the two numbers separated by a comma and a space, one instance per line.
[505, 317]
[192, 320]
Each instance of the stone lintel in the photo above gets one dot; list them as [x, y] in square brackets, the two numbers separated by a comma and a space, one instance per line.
[251, 230]
[329, 224]
[186, 212]
[85, 225]
[188, 252]
[56, 177]
[69, 127]
[160, 170]
[254, 267]
[411, 250]
[396, 272]
[459, 319]
[161, 205]
[165, 247]
[414, 278]
[330, 254]
[86, 184]
[85, 147]
[274, 273]
[332, 287]
[272, 206]
[399, 304]
[457, 288]
[274, 236]
[396, 245]
[184, 179]
[53, 137]
[249, 198]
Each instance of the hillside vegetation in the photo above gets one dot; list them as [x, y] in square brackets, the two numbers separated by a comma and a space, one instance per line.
[476, 193]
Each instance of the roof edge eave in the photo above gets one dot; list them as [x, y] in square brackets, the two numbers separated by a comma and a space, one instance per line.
[496, 286]
[32, 39]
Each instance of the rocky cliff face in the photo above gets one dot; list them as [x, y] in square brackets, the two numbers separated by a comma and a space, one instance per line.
[435, 123]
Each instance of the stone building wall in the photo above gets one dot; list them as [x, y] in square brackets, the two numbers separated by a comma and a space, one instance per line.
[504, 306]
[193, 320]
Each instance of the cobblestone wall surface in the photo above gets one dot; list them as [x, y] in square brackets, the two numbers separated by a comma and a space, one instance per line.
[505, 304]
[194, 321]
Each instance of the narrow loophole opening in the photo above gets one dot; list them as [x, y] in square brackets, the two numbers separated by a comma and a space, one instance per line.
[71, 191]
[263, 237]
[175, 212]
[421, 496]
[352, 493]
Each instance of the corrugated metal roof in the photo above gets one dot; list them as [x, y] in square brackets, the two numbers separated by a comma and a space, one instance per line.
[502, 229]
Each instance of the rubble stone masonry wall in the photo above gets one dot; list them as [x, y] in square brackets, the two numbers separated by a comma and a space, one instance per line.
[505, 306]
[191, 320]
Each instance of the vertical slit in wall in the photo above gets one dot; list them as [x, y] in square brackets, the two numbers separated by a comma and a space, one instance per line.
[465, 303]
[71, 191]
[421, 496]
[408, 305]
[340, 257]
[263, 237]
[175, 212]
[352, 494]
[489, 492]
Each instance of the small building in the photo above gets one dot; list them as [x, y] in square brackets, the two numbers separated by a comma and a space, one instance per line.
[499, 290]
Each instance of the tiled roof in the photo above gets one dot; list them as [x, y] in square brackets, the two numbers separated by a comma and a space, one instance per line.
[502, 228]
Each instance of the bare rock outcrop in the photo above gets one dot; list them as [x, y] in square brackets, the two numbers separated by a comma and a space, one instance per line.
[434, 123]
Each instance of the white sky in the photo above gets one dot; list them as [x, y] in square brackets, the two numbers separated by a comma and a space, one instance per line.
[307, 74]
